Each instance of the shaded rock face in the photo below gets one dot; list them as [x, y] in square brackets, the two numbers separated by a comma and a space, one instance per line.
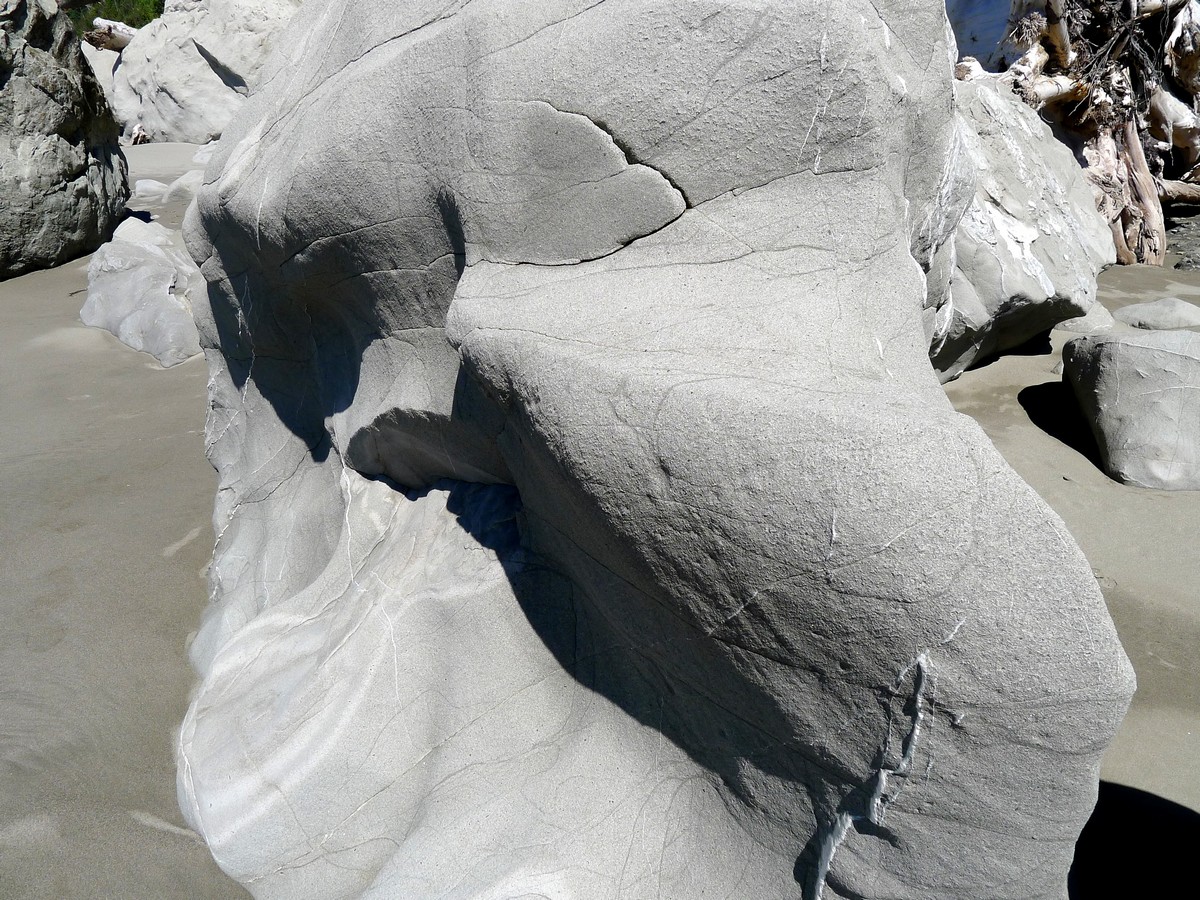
[141, 288]
[1029, 247]
[1140, 392]
[185, 75]
[721, 596]
[62, 175]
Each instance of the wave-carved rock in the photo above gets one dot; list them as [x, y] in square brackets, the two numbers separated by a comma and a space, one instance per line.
[721, 596]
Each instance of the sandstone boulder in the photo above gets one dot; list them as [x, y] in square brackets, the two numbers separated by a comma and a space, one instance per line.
[721, 598]
[141, 288]
[62, 175]
[184, 75]
[1162, 314]
[1140, 391]
[1031, 243]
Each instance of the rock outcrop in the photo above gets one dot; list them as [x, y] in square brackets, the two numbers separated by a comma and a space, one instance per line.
[721, 598]
[1140, 392]
[1031, 242]
[62, 175]
[185, 75]
[141, 288]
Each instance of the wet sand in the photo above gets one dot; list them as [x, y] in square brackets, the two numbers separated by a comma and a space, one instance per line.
[1144, 545]
[105, 534]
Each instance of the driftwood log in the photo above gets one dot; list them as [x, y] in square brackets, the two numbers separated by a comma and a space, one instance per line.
[1120, 81]
[107, 34]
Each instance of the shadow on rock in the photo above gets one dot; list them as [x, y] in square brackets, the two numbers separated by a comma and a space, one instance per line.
[1138, 840]
[1053, 408]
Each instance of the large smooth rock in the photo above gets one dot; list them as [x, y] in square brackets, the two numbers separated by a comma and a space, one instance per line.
[1141, 394]
[1162, 314]
[62, 175]
[751, 612]
[185, 75]
[141, 287]
[1031, 243]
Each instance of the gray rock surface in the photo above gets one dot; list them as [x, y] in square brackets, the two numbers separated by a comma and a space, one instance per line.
[736, 605]
[1029, 247]
[62, 175]
[1162, 314]
[1140, 391]
[1096, 319]
[184, 75]
[141, 287]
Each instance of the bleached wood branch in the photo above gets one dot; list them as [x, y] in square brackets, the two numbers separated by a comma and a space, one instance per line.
[109, 35]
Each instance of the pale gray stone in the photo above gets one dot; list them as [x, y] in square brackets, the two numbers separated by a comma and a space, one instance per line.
[1164, 313]
[184, 75]
[1029, 247]
[1096, 319]
[103, 62]
[747, 609]
[1140, 391]
[62, 175]
[141, 287]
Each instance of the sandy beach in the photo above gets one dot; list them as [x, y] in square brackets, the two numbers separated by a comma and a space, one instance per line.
[106, 535]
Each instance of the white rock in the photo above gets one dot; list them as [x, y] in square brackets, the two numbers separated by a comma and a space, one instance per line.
[773, 612]
[149, 190]
[141, 286]
[103, 62]
[184, 75]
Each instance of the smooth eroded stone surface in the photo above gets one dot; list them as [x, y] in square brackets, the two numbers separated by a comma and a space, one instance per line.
[736, 605]
[1140, 391]
[62, 175]
[1162, 314]
[1030, 244]
[141, 288]
[185, 75]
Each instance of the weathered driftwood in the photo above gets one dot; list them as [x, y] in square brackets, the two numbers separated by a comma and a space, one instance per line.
[107, 34]
[1121, 79]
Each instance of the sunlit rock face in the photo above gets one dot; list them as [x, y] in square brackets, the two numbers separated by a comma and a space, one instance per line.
[62, 175]
[591, 520]
[1030, 244]
[187, 73]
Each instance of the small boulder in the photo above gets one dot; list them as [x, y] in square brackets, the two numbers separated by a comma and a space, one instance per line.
[140, 288]
[1163, 314]
[62, 175]
[1140, 391]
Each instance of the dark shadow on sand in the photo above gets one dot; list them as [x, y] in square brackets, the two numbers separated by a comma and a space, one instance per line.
[1052, 407]
[1136, 844]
